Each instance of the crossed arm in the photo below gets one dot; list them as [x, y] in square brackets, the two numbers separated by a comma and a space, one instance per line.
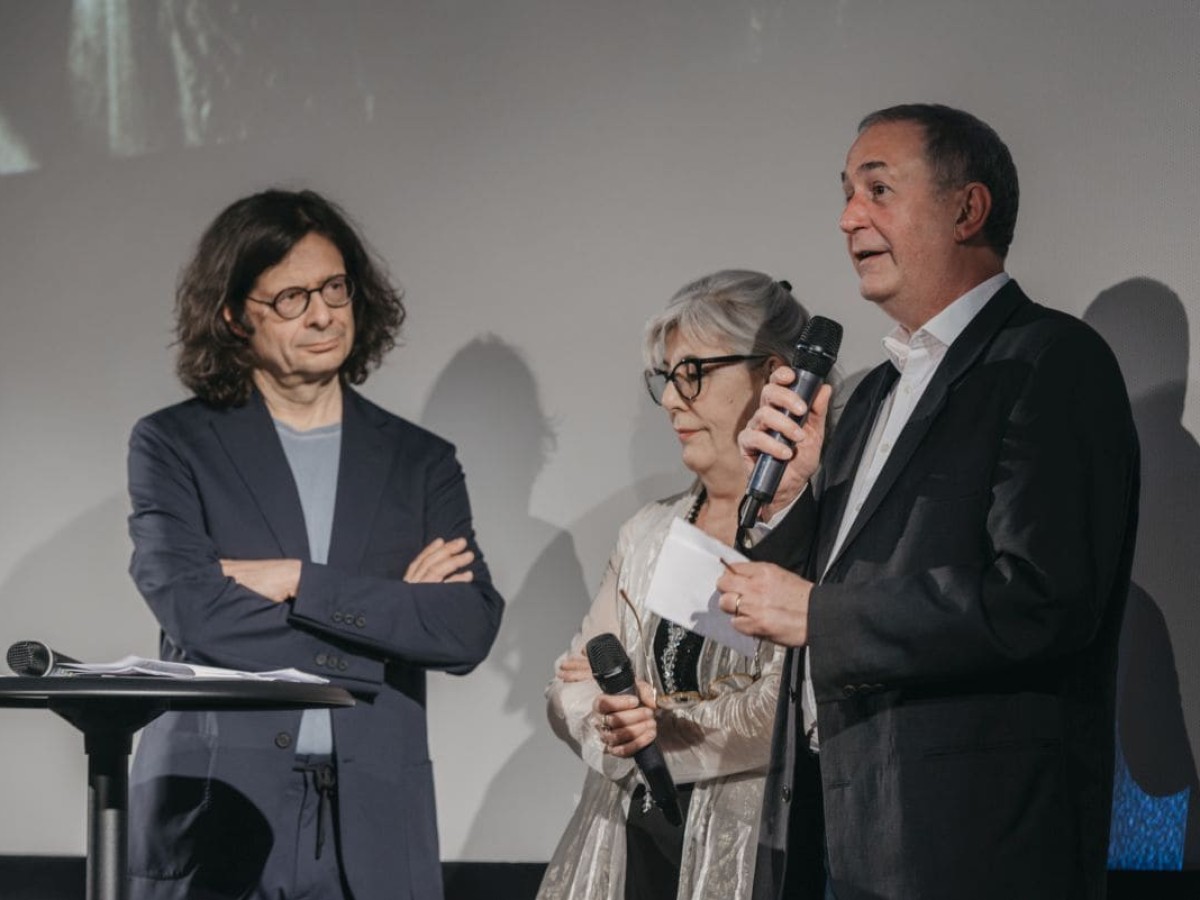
[232, 613]
[278, 580]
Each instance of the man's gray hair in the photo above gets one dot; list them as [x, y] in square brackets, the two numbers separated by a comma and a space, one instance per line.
[746, 311]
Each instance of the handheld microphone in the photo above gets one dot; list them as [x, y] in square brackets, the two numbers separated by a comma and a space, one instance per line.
[816, 352]
[614, 673]
[35, 658]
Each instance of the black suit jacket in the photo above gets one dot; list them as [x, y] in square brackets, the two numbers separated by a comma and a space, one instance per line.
[963, 640]
[210, 801]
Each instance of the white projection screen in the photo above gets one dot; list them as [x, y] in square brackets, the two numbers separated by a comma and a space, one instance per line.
[541, 175]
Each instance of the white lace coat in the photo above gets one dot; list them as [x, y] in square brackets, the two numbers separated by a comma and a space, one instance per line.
[722, 742]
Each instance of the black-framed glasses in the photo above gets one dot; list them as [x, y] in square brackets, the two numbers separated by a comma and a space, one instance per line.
[292, 302]
[687, 375]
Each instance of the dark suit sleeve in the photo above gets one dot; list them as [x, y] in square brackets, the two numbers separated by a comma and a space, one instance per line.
[1014, 568]
[446, 626]
[790, 543]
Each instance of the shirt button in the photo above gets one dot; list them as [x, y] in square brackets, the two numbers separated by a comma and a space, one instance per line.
[792, 694]
[885, 447]
[787, 794]
[283, 740]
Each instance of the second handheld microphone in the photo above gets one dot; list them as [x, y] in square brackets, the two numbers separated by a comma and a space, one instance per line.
[614, 673]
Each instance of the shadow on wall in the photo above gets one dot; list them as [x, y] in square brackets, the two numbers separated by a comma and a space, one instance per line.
[486, 403]
[42, 598]
[655, 472]
[1155, 803]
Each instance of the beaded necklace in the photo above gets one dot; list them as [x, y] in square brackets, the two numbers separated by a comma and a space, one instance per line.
[677, 649]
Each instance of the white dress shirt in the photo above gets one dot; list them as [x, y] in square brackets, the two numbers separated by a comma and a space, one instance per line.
[916, 356]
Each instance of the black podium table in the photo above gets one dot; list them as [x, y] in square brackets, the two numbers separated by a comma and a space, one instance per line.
[108, 710]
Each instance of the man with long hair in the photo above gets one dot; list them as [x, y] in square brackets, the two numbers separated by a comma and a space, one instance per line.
[282, 520]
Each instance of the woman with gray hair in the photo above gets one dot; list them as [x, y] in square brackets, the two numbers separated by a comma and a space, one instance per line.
[710, 709]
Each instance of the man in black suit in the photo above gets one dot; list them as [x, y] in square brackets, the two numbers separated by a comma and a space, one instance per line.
[955, 632]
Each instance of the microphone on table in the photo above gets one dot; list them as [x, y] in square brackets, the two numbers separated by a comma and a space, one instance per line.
[816, 352]
[614, 673]
[36, 659]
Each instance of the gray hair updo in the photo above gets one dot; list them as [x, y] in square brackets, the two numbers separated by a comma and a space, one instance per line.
[748, 312]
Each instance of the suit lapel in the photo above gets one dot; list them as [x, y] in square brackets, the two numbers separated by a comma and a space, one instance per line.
[249, 437]
[366, 462]
[836, 478]
[959, 358]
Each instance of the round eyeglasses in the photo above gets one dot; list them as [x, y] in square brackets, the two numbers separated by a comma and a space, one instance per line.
[292, 302]
[688, 374]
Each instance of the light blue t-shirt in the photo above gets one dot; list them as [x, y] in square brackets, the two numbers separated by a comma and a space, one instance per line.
[314, 456]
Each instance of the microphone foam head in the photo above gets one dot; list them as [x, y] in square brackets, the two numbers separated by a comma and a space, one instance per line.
[29, 658]
[818, 347]
[610, 663]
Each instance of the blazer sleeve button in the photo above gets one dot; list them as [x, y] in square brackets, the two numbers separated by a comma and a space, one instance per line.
[343, 665]
[361, 621]
[283, 740]
[337, 617]
[321, 659]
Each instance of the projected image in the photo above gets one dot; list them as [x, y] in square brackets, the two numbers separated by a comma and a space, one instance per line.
[141, 77]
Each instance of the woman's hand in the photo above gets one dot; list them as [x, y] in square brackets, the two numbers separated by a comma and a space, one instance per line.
[441, 561]
[775, 402]
[575, 667]
[626, 723]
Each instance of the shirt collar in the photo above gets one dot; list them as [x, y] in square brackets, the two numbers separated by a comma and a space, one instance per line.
[946, 326]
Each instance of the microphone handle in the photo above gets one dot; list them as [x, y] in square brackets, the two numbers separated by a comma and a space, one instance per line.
[658, 777]
[659, 782]
[764, 480]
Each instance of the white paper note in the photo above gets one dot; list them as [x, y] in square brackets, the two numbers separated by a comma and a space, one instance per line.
[683, 587]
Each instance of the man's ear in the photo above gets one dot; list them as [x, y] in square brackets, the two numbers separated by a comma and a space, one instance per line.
[234, 325]
[975, 205]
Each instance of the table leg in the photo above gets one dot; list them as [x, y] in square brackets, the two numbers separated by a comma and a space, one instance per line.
[108, 804]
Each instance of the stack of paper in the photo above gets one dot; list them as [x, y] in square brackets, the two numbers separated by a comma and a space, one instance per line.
[137, 665]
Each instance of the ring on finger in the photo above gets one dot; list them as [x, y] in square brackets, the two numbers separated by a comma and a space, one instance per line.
[737, 605]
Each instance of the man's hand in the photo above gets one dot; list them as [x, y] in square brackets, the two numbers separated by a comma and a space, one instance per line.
[441, 561]
[276, 579]
[774, 404]
[625, 725]
[766, 602]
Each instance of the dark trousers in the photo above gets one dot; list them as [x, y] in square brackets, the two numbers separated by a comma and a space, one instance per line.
[653, 848]
[315, 872]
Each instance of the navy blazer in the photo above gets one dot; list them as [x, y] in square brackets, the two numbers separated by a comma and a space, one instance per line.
[964, 639]
[209, 790]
